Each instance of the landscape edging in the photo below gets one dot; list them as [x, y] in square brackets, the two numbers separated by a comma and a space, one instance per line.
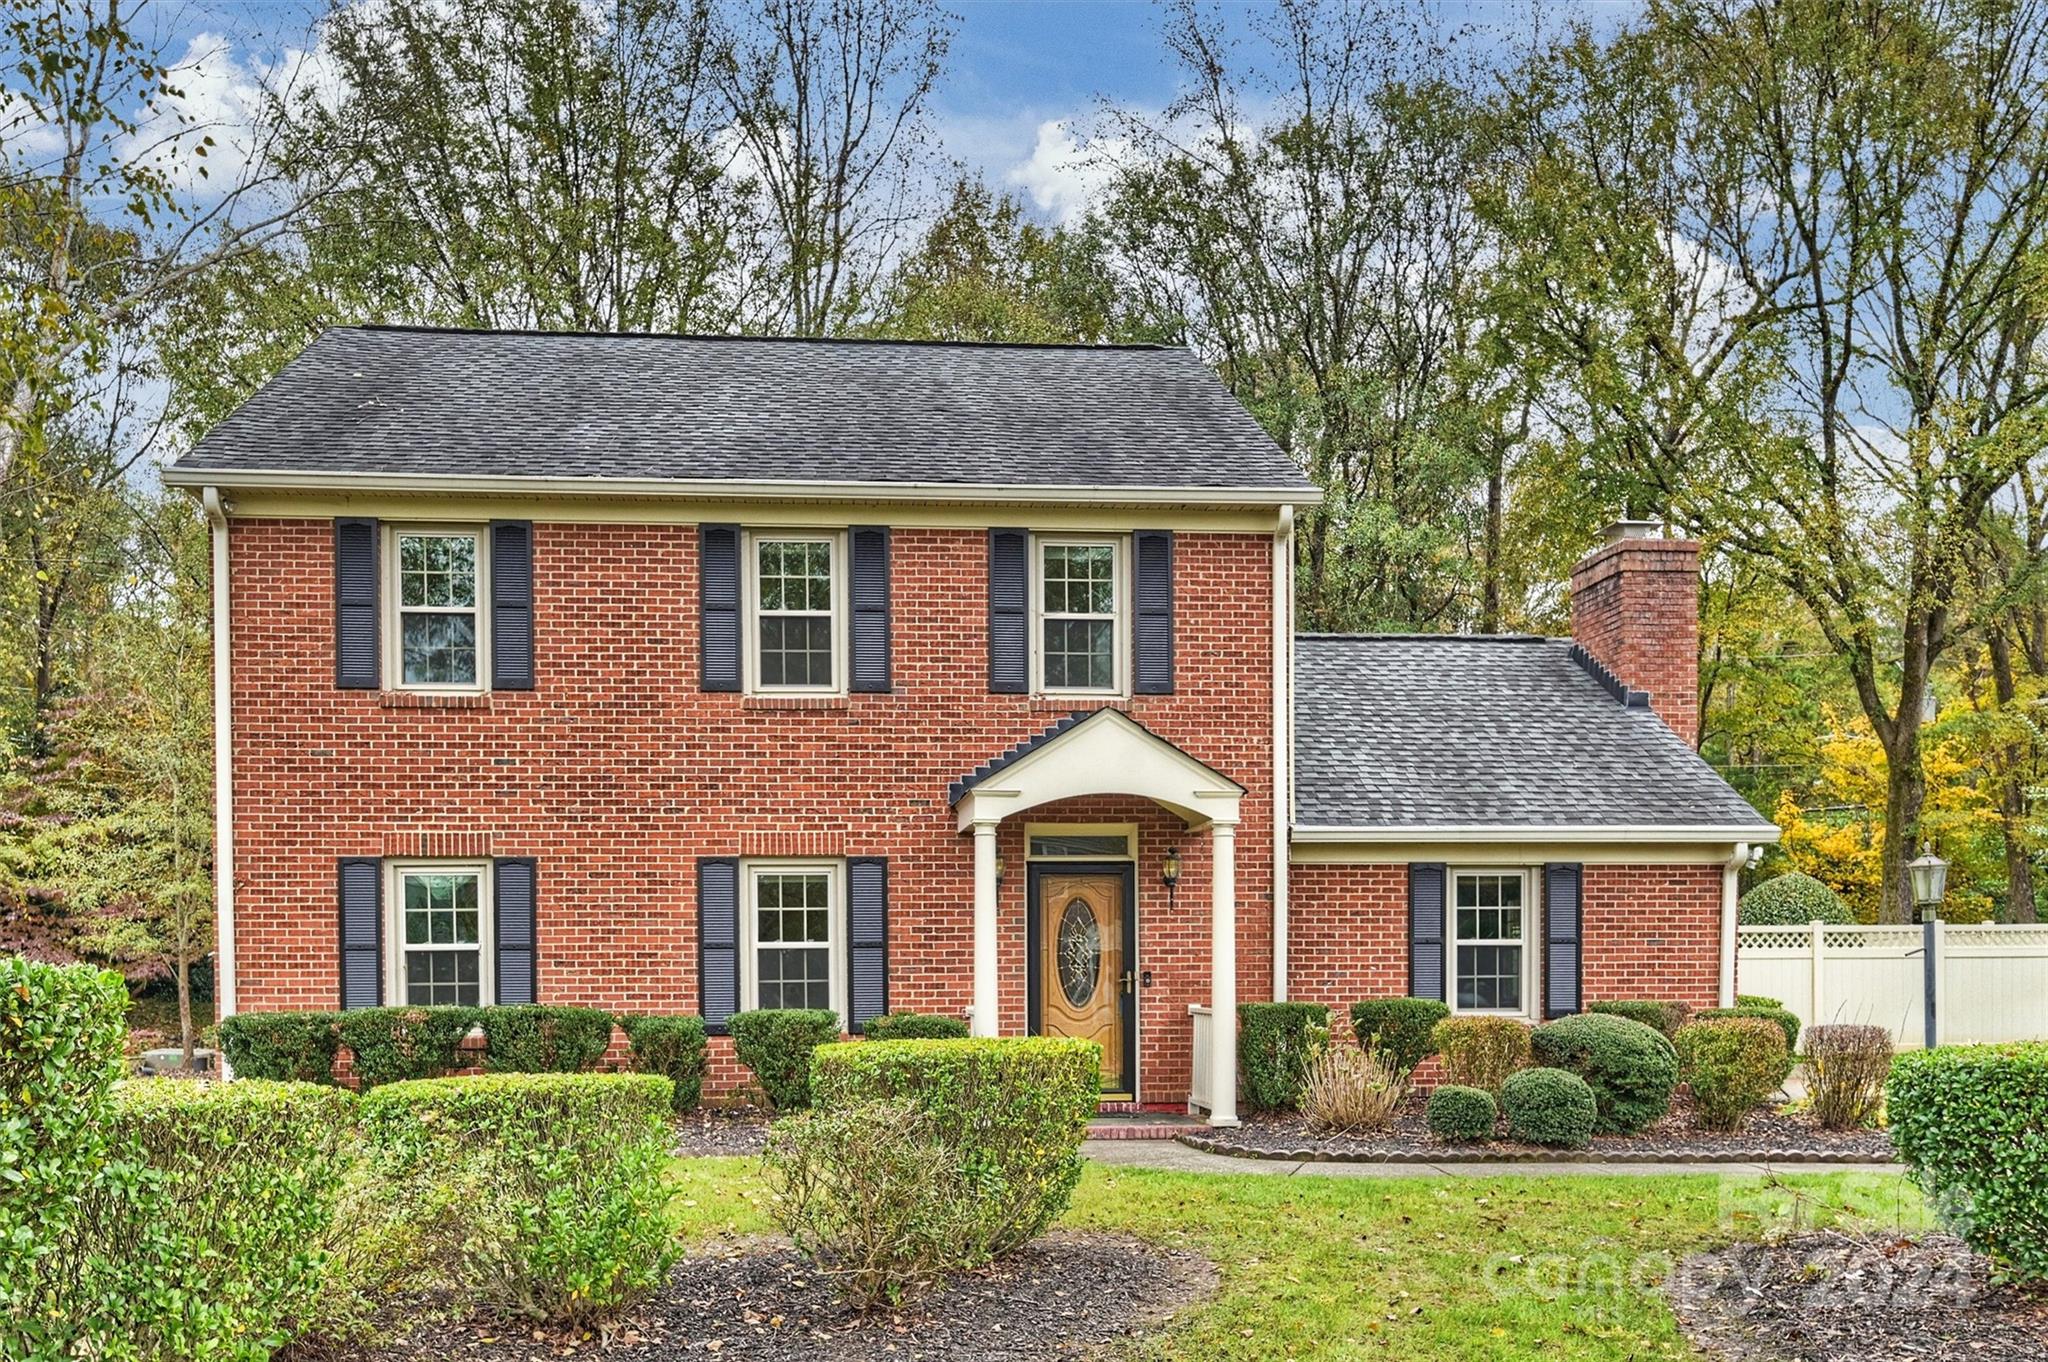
[1773, 1156]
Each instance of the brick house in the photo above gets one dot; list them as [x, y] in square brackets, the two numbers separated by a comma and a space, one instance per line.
[679, 674]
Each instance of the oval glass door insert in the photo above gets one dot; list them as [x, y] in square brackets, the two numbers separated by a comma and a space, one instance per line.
[1080, 952]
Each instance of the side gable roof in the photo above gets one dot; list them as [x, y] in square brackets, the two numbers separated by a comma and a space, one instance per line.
[415, 402]
[1510, 732]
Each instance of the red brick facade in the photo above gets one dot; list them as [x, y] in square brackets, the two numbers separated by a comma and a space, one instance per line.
[1635, 607]
[617, 773]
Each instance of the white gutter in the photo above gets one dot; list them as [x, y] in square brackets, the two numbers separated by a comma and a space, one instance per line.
[1283, 736]
[223, 766]
[1731, 871]
[775, 489]
[1540, 832]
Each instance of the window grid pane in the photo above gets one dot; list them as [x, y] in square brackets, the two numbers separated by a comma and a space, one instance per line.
[437, 596]
[443, 948]
[794, 607]
[792, 939]
[1077, 602]
[1489, 927]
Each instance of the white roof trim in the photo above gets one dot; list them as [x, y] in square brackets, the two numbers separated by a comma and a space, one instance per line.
[771, 489]
[1540, 832]
[1107, 753]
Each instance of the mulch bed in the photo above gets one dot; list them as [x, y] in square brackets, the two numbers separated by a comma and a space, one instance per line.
[1063, 1296]
[1832, 1297]
[739, 1131]
[1766, 1137]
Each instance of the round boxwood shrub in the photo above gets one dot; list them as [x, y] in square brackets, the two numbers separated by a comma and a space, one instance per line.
[1630, 1067]
[1787, 1022]
[1461, 1114]
[1971, 1121]
[1730, 1064]
[1549, 1106]
[1662, 1016]
[673, 1047]
[776, 1043]
[1274, 1042]
[1400, 1027]
[1793, 900]
[914, 1026]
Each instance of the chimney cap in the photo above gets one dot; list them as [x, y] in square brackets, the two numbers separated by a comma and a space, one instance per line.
[1631, 529]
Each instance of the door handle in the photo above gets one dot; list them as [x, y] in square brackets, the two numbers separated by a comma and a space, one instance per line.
[1127, 981]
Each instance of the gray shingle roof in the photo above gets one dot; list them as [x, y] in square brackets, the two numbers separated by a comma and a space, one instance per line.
[1446, 731]
[513, 404]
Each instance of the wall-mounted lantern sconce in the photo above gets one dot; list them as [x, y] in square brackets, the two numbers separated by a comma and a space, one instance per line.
[999, 867]
[1169, 871]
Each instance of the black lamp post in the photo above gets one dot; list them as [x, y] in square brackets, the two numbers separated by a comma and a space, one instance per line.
[1929, 874]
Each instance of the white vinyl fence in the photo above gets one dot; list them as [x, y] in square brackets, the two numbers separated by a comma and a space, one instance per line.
[1991, 982]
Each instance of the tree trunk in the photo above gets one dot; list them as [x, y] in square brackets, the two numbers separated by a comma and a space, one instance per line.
[1489, 586]
[185, 1004]
[2012, 792]
[1905, 791]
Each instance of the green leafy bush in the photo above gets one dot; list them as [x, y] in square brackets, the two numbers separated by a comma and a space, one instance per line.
[1756, 1000]
[1730, 1064]
[1662, 1016]
[296, 1047]
[914, 1026]
[214, 1246]
[1971, 1121]
[873, 1194]
[1461, 1114]
[673, 1047]
[533, 1194]
[1400, 1027]
[1549, 1106]
[1793, 900]
[544, 1039]
[777, 1043]
[1845, 1072]
[1777, 1016]
[1480, 1052]
[60, 1054]
[399, 1044]
[1630, 1067]
[1013, 1112]
[1274, 1044]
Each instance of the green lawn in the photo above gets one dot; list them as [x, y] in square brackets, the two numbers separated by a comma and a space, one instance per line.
[1425, 1269]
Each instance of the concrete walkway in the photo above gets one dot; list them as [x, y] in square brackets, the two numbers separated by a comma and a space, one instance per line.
[1176, 1157]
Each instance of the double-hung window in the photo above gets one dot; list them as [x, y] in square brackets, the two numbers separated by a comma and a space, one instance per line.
[440, 935]
[794, 613]
[1079, 589]
[1489, 941]
[437, 629]
[792, 938]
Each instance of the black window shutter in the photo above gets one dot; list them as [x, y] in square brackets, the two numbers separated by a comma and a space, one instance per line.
[1426, 930]
[718, 941]
[1562, 935]
[869, 548]
[360, 884]
[515, 887]
[718, 604]
[356, 649]
[1009, 586]
[1152, 612]
[867, 939]
[512, 605]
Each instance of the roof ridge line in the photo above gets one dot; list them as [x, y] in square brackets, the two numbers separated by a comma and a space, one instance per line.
[1313, 636]
[909, 342]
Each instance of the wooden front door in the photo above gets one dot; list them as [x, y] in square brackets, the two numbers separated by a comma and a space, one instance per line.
[1082, 970]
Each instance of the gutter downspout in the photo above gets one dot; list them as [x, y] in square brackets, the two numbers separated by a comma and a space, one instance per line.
[1731, 871]
[223, 766]
[1283, 737]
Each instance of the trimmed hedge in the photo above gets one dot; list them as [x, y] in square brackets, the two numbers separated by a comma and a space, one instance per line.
[1730, 1064]
[1480, 1052]
[1793, 900]
[673, 1047]
[1631, 1068]
[777, 1044]
[1549, 1107]
[1461, 1114]
[1661, 1016]
[1014, 1113]
[533, 1194]
[401, 1044]
[295, 1047]
[914, 1026]
[1274, 1043]
[1756, 1000]
[1785, 1021]
[1971, 1122]
[544, 1039]
[1400, 1026]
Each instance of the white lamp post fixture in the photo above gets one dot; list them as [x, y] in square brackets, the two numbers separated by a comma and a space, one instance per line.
[1930, 881]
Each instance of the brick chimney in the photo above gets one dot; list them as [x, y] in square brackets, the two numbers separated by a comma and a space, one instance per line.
[1636, 610]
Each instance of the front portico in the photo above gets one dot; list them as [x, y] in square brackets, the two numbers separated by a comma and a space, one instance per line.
[1105, 752]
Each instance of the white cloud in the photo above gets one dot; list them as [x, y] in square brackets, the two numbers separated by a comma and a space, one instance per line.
[1063, 175]
[221, 93]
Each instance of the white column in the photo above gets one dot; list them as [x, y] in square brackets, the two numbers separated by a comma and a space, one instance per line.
[1731, 897]
[985, 929]
[1223, 975]
[223, 767]
[1819, 1016]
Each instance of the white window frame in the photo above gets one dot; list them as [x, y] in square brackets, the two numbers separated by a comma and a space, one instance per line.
[835, 927]
[750, 590]
[394, 924]
[1120, 619]
[394, 612]
[1528, 942]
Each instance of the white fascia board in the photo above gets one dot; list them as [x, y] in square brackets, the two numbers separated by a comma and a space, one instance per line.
[778, 489]
[1539, 832]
